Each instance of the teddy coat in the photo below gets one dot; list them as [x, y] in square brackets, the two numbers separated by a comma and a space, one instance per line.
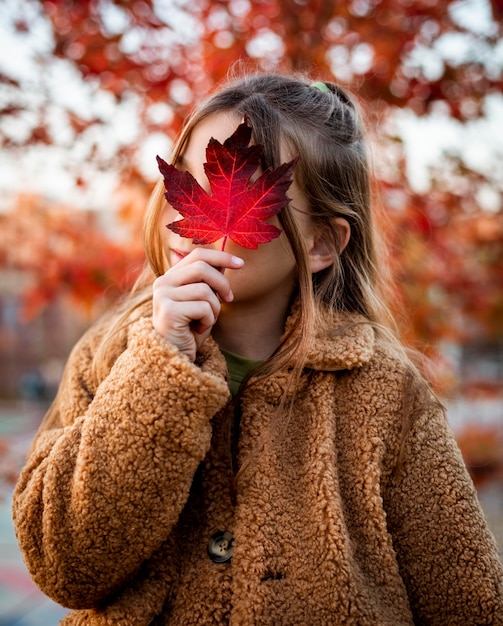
[128, 480]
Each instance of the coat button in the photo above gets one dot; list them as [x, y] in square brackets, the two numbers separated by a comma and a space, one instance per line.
[220, 546]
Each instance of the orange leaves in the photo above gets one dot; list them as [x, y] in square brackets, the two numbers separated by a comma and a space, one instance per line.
[64, 252]
[447, 257]
[94, 34]
[482, 450]
[447, 254]
[388, 48]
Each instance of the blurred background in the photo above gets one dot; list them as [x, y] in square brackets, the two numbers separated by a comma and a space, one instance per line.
[92, 91]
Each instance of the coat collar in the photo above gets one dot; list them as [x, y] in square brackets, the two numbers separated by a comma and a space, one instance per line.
[341, 340]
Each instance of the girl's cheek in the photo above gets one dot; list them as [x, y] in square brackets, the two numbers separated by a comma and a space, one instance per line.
[169, 214]
[176, 217]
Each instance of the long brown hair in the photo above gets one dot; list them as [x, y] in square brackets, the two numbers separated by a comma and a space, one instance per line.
[326, 130]
[324, 127]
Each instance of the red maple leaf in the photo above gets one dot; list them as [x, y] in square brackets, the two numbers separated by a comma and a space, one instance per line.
[235, 208]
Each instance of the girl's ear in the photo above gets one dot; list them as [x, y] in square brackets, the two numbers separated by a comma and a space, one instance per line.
[321, 253]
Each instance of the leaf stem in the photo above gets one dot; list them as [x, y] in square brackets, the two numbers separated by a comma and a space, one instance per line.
[224, 242]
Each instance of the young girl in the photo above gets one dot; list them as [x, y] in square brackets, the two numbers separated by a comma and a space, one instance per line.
[326, 488]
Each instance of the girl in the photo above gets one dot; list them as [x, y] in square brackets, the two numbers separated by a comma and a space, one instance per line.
[329, 490]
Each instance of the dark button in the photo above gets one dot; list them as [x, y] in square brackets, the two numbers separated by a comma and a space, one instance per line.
[220, 546]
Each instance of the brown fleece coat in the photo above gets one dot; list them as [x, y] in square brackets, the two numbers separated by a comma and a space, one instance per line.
[126, 482]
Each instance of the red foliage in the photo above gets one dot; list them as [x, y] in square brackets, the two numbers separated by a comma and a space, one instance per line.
[235, 209]
[482, 450]
[63, 252]
[373, 45]
[446, 252]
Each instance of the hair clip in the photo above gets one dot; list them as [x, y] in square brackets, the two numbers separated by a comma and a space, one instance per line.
[320, 86]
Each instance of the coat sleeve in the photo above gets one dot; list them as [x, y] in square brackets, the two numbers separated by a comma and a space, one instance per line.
[110, 470]
[447, 556]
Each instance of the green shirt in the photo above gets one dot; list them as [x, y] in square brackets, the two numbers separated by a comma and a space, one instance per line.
[238, 367]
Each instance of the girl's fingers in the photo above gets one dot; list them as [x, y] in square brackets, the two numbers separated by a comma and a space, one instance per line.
[200, 272]
[194, 283]
[186, 299]
[200, 266]
[184, 314]
[193, 292]
[185, 324]
[216, 258]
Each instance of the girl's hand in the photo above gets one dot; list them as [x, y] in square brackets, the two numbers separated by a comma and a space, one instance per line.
[186, 299]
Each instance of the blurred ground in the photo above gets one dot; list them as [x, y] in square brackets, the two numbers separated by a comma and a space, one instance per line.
[21, 603]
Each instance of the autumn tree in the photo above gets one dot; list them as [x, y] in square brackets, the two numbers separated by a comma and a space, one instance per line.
[416, 56]
[65, 253]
